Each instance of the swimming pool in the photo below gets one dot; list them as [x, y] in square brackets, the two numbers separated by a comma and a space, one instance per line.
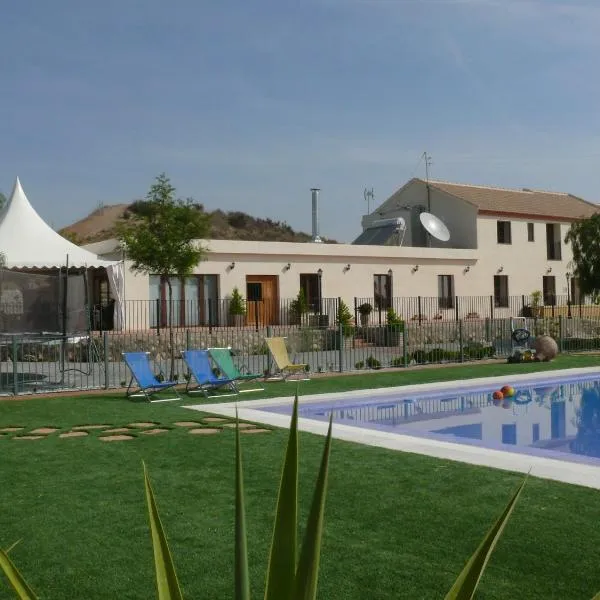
[548, 423]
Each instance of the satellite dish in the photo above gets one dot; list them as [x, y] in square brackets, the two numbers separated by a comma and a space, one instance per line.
[434, 227]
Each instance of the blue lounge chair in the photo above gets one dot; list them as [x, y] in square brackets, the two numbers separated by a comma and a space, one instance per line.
[201, 369]
[148, 384]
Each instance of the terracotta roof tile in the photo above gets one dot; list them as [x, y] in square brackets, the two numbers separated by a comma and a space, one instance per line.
[520, 202]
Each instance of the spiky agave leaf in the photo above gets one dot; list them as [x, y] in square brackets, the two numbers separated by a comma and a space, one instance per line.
[466, 584]
[242, 577]
[16, 580]
[166, 578]
[307, 575]
[282, 559]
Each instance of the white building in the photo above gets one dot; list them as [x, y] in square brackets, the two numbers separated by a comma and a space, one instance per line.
[503, 244]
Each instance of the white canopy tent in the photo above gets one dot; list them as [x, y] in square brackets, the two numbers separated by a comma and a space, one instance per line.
[27, 241]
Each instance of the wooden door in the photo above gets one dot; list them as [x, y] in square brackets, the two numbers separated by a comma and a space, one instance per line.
[262, 300]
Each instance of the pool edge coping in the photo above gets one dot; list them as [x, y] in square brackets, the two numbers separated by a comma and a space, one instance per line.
[543, 467]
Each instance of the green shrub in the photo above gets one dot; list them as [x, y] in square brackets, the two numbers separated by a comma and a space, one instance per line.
[373, 363]
[420, 356]
[436, 355]
[360, 364]
[399, 361]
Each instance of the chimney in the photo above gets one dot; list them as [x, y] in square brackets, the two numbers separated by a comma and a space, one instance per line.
[315, 215]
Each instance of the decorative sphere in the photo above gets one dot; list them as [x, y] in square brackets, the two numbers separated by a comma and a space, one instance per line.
[546, 348]
[498, 395]
[508, 391]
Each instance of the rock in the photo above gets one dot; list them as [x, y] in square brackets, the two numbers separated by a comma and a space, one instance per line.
[546, 348]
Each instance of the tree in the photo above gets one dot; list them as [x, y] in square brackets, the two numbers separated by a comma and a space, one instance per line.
[160, 238]
[584, 237]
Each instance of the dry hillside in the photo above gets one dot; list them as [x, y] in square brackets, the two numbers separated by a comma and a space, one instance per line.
[99, 225]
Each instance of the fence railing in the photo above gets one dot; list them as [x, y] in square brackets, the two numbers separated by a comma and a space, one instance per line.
[157, 314]
[30, 364]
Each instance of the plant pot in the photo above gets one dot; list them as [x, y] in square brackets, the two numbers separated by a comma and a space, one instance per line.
[238, 320]
[364, 320]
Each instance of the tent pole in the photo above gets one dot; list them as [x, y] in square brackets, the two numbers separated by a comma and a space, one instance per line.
[64, 321]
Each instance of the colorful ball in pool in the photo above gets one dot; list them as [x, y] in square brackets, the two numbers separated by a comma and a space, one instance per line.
[498, 395]
[508, 391]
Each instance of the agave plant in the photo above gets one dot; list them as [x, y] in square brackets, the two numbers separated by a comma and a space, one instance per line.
[289, 577]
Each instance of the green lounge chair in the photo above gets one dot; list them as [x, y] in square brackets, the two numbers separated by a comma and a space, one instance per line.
[224, 361]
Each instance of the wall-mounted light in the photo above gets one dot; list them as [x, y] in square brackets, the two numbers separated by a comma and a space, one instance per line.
[320, 272]
[500, 269]
[231, 266]
[347, 267]
[549, 270]
[287, 267]
[415, 268]
[390, 272]
[467, 269]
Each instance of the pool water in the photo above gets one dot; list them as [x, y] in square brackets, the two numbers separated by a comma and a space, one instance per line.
[559, 417]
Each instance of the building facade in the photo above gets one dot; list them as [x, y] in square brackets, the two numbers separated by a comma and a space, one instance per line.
[503, 244]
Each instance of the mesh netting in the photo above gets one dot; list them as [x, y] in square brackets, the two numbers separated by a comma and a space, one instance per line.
[35, 303]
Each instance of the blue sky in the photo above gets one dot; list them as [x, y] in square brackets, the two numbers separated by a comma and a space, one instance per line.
[247, 105]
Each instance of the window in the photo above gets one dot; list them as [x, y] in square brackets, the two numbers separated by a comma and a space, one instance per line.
[553, 246]
[311, 284]
[446, 291]
[382, 291]
[194, 301]
[503, 230]
[549, 290]
[530, 232]
[501, 291]
[254, 291]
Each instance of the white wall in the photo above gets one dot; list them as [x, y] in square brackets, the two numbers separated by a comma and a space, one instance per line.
[473, 270]
[459, 216]
[524, 262]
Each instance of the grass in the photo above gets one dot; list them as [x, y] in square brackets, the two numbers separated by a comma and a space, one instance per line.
[397, 525]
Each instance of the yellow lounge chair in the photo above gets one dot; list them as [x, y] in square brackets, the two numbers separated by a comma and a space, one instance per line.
[281, 358]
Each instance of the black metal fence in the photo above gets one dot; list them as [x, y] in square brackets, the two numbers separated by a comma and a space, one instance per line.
[30, 364]
[365, 311]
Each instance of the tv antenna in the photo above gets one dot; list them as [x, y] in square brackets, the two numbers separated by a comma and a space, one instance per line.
[428, 163]
[368, 196]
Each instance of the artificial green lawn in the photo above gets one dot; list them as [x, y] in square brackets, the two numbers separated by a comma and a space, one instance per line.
[397, 525]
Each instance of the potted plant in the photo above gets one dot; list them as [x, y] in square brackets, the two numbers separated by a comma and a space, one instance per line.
[298, 307]
[534, 310]
[394, 327]
[237, 308]
[365, 309]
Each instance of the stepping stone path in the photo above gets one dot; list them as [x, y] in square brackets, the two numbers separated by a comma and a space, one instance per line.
[255, 430]
[43, 430]
[110, 433]
[204, 431]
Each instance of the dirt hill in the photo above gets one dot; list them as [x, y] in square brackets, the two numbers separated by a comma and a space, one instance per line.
[100, 225]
